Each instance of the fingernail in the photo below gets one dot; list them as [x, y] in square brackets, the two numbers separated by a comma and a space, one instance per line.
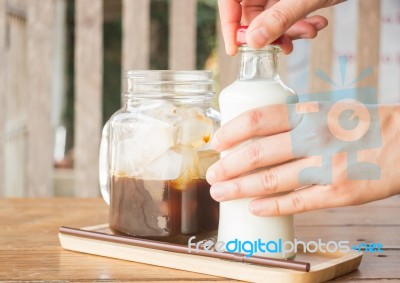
[305, 36]
[320, 26]
[211, 177]
[217, 192]
[258, 36]
[256, 208]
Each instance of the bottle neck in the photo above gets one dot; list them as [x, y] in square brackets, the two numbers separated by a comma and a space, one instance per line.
[259, 64]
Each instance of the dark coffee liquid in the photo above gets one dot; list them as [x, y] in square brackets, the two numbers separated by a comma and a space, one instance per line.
[162, 210]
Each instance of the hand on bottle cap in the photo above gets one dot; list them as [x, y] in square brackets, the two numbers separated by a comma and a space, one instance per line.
[241, 37]
[268, 22]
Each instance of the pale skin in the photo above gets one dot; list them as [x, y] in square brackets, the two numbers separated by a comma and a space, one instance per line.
[266, 168]
[270, 19]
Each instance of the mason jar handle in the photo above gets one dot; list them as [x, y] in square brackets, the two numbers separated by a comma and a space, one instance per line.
[103, 165]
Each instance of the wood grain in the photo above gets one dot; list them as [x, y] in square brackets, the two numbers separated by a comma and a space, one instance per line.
[228, 65]
[182, 40]
[30, 251]
[351, 217]
[375, 267]
[368, 41]
[323, 266]
[136, 34]
[355, 234]
[88, 95]
[40, 44]
[3, 87]
[16, 102]
[321, 53]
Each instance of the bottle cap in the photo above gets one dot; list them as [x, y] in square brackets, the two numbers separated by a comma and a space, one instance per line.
[241, 37]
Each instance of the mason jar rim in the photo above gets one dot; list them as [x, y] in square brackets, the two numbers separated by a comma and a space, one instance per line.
[169, 84]
[164, 75]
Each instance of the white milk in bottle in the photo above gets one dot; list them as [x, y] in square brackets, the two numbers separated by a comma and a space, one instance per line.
[258, 84]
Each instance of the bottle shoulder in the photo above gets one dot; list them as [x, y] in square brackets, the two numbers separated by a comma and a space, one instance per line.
[242, 96]
[264, 90]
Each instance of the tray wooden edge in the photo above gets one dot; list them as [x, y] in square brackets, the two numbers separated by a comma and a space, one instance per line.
[335, 267]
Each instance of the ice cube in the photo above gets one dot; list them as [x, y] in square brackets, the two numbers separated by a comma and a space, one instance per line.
[140, 143]
[189, 169]
[206, 159]
[166, 167]
[161, 110]
[195, 129]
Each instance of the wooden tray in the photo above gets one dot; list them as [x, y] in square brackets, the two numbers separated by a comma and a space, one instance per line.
[324, 266]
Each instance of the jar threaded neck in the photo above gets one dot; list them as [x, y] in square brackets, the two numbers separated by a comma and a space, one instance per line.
[168, 84]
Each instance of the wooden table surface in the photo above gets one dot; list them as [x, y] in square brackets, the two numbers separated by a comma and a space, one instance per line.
[30, 250]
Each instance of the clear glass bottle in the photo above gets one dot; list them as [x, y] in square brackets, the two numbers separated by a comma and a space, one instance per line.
[258, 84]
[154, 156]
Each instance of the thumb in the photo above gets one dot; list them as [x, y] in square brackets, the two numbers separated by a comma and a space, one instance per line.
[273, 22]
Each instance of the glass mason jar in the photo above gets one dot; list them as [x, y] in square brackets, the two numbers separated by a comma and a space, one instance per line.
[154, 156]
[258, 84]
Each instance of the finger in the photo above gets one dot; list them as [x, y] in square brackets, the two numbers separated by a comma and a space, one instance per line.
[273, 22]
[271, 3]
[287, 45]
[230, 12]
[306, 28]
[251, 9]
[319, 22]
[282, 178]
[307, 199]
[260, 153]
[263, 121]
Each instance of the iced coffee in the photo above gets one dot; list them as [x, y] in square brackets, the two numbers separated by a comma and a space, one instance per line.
[157, 185]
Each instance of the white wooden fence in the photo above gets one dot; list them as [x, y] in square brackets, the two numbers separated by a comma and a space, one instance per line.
[28, 42]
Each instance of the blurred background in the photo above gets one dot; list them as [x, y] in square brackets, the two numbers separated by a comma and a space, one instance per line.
[61, 66]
